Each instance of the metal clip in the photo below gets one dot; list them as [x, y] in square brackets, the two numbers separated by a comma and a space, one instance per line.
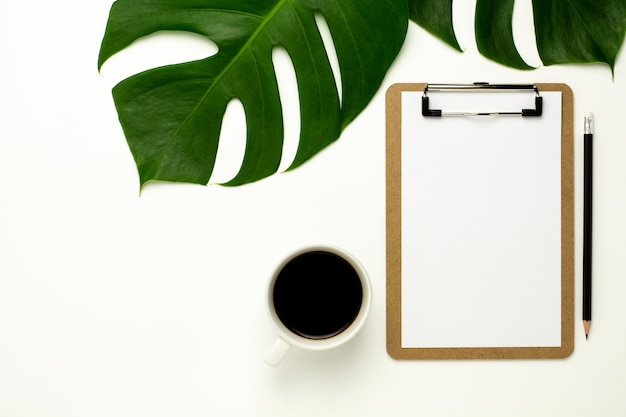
[481, 86]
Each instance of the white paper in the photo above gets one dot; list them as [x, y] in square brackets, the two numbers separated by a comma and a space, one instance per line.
[481, 223]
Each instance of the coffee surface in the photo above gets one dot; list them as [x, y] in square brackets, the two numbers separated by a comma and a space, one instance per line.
[317, 295]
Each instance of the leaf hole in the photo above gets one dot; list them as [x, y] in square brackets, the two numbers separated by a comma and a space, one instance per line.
[524, 32]
[232, 143]
[464, 16]
[329, 45]
[290, 104]
[156, 50]
[463, 22]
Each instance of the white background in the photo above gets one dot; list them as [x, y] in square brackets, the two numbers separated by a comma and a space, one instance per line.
[112, 304]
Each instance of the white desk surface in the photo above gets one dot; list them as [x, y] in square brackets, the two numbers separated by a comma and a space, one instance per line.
[113, 304]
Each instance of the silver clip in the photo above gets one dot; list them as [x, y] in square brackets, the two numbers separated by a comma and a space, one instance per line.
[481, 86]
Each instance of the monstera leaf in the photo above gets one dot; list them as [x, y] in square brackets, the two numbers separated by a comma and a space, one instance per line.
[567, 31]
[172, 115]
[577, 31]
[435, 17]
[493, 25]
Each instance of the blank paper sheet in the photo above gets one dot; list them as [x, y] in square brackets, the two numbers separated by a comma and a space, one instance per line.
[481, 223]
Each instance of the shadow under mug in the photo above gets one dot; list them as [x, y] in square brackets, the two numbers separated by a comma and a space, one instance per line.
[318, 298]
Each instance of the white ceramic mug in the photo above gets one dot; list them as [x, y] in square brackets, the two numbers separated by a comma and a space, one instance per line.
[322, 261]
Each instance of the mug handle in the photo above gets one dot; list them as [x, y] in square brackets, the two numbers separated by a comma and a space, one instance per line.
[277, 352]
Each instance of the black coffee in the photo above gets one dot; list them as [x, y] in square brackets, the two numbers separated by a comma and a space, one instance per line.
[317, 295]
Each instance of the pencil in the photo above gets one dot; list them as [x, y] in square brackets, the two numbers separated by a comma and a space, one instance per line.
[587, 221]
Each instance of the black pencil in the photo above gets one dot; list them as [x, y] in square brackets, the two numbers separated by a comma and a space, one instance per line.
[587, 221]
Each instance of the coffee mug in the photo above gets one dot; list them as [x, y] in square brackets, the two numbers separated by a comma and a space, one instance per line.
[318, 298]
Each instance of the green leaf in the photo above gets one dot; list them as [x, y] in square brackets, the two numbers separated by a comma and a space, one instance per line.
[436, 17]
[172, 115]
[493, 26]
[577, 31]
[567, 31]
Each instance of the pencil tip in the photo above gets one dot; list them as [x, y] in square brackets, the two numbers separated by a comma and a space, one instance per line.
[587, 336]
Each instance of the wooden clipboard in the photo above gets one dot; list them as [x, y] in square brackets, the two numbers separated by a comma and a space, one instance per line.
[394, 241]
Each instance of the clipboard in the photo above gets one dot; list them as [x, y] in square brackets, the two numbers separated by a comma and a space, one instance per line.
[480, 221]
